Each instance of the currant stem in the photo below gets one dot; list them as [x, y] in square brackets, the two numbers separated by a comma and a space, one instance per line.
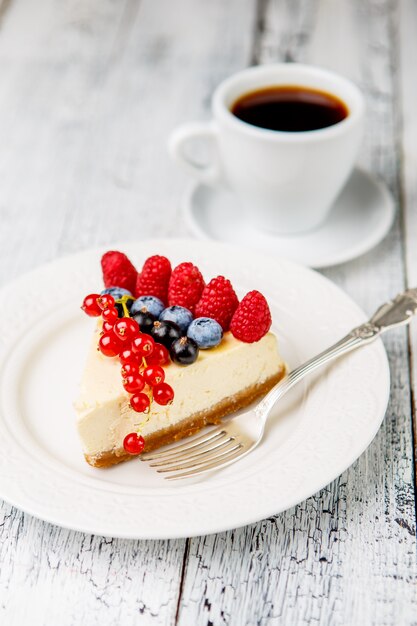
[123, 301]
[147, 412]
[142, 424]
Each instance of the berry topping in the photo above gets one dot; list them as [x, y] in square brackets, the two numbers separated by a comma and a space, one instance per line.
[119, 308]
[143, 345]
[133, 443]
[133, 383]
[154, 278]
[118, 270]
[163, 394]
[154, 375]
[109, 344]
[126, 328]
[107, 326]
[128, 301]
[116, 292]
[140, 402]
[145, 321]
[90, 305]
[218, 301]
[185, 286]
[159, 356]
[130, 367]
[184, 351]
[165, 333]
[127, 355]
[206, 332]
[148, 304]
[110, 315]
[181, 316]
[105, 302]
[124, 305]
[252, 318]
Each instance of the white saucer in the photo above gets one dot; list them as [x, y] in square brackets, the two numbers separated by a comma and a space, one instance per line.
[361, 217]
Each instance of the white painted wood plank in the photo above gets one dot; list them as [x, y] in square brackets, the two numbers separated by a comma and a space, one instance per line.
[53, 576]
[165, 76]
[53, 62]
[106, 85]
[284, 30]
[89, 92]
[347, 555]
[407, 86]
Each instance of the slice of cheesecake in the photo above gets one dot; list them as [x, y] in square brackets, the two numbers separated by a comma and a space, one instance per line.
[221, 381]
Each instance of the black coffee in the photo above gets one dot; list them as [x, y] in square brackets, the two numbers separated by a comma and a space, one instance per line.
[290, 108]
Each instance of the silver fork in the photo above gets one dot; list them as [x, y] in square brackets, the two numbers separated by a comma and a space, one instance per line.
[234, 439]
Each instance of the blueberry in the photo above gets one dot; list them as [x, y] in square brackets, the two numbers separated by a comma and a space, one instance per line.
[165, 333]
[153, 305]
[145, 321]
[116, 292]
[206, 332]
[179, 315]
[184, 351]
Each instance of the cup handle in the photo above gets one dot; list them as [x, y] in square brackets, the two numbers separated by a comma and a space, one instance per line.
[181, 136]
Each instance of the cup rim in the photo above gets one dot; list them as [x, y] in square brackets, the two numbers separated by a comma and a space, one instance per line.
[285, 70]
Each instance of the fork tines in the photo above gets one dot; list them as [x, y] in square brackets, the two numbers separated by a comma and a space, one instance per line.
[213, 449]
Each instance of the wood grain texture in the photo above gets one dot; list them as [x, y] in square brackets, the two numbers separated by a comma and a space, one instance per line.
[408, 92]
[89, 93]
[88, 96]
[51, 576]
[347, 555]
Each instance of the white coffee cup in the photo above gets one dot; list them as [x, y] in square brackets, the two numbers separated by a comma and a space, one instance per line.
[286, 181]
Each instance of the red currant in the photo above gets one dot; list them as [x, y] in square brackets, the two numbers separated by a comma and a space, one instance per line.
[133, 443]
[109, 344]
[133, 383]
[90, 306]
[143, 345]
[106, 301]
[126, 328]
[128, 355]
[154, 375]
[159, 356]
[140, 402]
[110, 315]
[163, 394]
[107, 326]
[130, 367]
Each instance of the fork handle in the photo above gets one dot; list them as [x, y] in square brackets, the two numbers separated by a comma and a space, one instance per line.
[396, 312]
[362, 335]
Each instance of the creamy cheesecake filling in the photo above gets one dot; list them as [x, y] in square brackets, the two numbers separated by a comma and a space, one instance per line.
[104, 413]
[191, 425]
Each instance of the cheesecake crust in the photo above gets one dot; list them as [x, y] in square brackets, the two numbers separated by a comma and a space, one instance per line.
[191, 425]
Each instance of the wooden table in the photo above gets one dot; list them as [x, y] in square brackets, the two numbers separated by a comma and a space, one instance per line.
[89, 92]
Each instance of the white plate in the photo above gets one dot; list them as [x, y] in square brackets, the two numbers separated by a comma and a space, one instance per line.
[312, 437]
[360, 219]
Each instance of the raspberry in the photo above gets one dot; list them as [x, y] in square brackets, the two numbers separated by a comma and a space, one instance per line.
[154, 278]
[218, 301]
[252, 318]
[118, 271]
[185, 286]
